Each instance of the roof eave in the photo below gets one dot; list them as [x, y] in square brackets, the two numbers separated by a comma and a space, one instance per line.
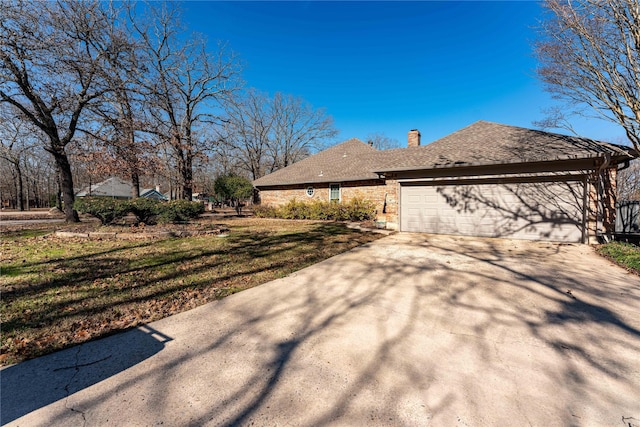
[319, 181]
[614, 159]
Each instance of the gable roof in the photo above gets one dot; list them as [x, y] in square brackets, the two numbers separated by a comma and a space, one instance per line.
[481, 143]
[119, 188]
[353, 160]
[152, 193]
[487, 143]
[112, 187]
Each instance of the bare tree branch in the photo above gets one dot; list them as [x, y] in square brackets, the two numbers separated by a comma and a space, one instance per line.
[52, 66]
[264, 134]
[589, 54]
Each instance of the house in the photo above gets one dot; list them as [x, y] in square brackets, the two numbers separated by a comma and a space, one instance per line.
[118, 188]
[153, 193]
[487, 179]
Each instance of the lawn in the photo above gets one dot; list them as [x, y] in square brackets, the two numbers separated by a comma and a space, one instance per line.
[59, 292]
[623, 254]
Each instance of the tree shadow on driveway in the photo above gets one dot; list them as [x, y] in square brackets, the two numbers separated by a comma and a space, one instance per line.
[406, 330]
[33, 384]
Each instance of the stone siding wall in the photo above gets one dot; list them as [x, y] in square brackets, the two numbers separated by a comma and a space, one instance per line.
[278, 196]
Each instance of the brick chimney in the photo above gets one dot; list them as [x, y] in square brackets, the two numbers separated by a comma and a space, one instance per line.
[414, 138]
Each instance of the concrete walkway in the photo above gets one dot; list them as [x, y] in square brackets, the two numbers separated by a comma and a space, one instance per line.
[410, 330]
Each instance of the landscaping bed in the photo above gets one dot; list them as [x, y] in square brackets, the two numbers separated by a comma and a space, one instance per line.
[61, 291]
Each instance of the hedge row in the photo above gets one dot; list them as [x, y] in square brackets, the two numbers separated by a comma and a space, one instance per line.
[354, 210]
[147, 211]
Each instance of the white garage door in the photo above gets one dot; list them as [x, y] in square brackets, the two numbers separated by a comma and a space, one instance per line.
[535, 211]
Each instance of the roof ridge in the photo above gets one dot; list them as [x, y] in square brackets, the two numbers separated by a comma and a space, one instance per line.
[479, 143]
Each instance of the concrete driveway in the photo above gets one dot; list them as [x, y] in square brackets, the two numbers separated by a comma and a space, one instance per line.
[410, 330]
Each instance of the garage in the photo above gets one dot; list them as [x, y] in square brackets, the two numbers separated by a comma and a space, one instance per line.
[486, 179]
[544, 209]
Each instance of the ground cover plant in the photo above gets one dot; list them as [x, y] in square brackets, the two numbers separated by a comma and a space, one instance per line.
[623, 254]
[60, 292]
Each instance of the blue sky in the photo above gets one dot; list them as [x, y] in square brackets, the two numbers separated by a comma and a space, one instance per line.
[388, 67]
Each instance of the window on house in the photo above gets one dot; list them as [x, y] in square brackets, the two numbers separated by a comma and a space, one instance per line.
[310, 191]
[334, 192]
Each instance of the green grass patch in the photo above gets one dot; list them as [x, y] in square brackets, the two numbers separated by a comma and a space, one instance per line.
[59, 292]
[623, 254]
[23, 234]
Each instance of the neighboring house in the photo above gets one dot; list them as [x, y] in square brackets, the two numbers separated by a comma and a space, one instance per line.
[486, 179]
[153, 193]
[118, 188]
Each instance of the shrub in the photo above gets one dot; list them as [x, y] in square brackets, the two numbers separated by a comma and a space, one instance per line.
[361, 210]
[180, 211]
[149, 211]
[106, 209]
[146, 210]
[294, 210]
[354, 210]
[261, 211]
[233, 187]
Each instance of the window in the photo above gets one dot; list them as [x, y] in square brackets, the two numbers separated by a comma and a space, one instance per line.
[334, 192]
[310, 191]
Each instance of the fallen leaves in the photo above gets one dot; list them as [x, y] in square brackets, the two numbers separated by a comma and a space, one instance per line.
[71, 291]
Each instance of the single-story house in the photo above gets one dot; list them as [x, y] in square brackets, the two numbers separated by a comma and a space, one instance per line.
[118, 188]
[486, 179]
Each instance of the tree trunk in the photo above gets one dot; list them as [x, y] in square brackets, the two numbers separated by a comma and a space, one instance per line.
[186, 176]
[66, 186]
[135, 185]
[19, 189]
[187, 184]
[28, 196]
[58, 192]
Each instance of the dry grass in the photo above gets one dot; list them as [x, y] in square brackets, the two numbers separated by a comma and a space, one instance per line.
[60, 292]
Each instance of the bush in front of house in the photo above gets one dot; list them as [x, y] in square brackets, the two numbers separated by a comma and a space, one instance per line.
[354, 210]
[296, 210]
[180, 211]
[361, 210]
[148, 211]
[106, 209]
[261, 211]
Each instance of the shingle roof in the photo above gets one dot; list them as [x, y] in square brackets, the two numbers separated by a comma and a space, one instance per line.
[486, 143]
[481, 143]
[350, 161]
[118, 187]
[112, 187]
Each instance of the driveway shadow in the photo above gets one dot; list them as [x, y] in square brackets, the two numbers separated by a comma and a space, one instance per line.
[30, 385]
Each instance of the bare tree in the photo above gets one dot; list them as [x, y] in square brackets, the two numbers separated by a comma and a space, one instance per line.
[52, 62]
[16, 141]
[118, 120]
[187, 86]
[380, 141]
[265, 134]
[248, 133]
[589, 54]
[299, 129]
[556, 118]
